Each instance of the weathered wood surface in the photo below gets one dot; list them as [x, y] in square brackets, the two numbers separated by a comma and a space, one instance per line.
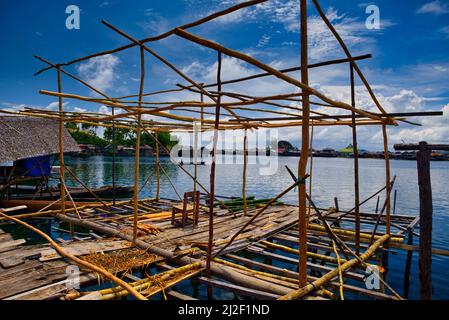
[38, 272]
[80, 248]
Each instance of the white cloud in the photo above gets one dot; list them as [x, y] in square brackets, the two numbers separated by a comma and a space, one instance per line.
[435, 7]
[55, 105]
[80, 110]
[322, 44]
[434, 130]
[233, 68]
[154, 24]
[100, 72]
[445, 31]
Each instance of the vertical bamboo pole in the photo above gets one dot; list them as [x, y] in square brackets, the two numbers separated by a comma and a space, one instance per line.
[212, 170]
[202, 117]
[311, 172]
[302, 166]
[114, 150]
[138, 132]
[61, 146]
[387, 178]
[245, 163]
[136, 178]
[196, 128]
[158, 175]
[195, 155]
[356, 165]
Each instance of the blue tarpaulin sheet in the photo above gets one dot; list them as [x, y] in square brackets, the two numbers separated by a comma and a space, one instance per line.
[38, 166]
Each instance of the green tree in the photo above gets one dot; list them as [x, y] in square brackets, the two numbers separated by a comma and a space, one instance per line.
[71, 125]
[85, 137]
[123, 137]
[126, 137]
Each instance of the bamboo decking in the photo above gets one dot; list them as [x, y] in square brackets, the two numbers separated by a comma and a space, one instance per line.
[261, 263]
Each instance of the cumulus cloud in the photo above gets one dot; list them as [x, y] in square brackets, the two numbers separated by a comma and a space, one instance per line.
[322, 44]
[100, 72]
[435, 7]
[392, 98]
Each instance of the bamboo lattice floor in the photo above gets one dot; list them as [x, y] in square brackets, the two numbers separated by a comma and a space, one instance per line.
[265, 251]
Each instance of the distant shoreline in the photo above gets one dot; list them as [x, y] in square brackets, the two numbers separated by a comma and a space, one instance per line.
[251, 155]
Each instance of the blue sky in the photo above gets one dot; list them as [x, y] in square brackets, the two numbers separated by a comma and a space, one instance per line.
[409, 69]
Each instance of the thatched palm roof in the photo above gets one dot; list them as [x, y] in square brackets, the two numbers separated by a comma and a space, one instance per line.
[24, 137]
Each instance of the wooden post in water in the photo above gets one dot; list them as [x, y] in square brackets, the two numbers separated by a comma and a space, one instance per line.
[425, 212]
[337, 207]
[302, 166]
[425, 221]
[408, 266]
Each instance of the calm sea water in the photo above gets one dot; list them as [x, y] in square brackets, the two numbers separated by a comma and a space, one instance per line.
[331, 178]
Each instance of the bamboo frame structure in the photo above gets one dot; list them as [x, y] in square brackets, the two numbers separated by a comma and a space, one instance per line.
[169, 116]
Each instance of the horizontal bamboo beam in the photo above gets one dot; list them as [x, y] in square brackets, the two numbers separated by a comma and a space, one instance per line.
[344, 116]
[288, 70]
[163, 35]
[232, 53]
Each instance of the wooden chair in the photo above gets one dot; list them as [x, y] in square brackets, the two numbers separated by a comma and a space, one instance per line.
[190, 205]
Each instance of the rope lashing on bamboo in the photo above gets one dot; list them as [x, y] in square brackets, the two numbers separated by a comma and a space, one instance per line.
[297, 294]
[77, 260]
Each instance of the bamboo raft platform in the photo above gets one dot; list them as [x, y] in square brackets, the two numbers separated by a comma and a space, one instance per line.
[271, 252]
[266, 252]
